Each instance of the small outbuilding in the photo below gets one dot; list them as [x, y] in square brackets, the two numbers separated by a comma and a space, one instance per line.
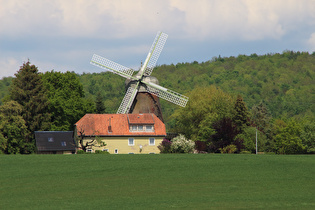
[55, 142]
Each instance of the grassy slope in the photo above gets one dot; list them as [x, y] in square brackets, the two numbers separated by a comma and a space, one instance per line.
[157, 181]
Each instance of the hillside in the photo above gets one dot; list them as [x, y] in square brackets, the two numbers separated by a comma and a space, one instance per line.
[284, 82]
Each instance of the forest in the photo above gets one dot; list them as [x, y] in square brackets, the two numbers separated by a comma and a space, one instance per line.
[230, 97]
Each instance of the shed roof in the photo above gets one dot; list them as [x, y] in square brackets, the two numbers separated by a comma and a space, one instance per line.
[54, 141]
[118, 125]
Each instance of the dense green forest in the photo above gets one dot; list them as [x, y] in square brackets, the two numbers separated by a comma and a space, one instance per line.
[274, 93]
[284, 82]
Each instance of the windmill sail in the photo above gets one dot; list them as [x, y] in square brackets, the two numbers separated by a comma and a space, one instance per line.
[154, 53]
[138, 79]
[167, 94]
[111, 66]
[128, 100]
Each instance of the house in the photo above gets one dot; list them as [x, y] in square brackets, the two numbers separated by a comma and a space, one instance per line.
[55, 142]
[122, 133]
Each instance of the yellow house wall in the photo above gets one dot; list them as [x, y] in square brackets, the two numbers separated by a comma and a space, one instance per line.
[121, 143]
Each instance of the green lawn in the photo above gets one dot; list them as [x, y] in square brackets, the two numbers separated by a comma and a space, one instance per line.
[195, 181]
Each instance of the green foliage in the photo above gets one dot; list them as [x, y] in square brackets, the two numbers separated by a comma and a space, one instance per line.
[181, 144]
[27, 89]
[4, 88]
[228, 149]
[241, 114]
[101, 152]
[287, 138]
[248, 139]
[206, 106]
[12, 128]
[66, 97]
[99, 104]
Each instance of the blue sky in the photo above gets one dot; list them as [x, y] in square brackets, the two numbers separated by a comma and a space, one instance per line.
[62, 35]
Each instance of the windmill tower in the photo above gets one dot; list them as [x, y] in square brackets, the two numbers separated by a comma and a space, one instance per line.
[142, 90]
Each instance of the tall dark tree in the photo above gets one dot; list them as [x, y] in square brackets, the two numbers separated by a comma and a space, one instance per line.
[241, 115]
[99, 104]
[27, 89]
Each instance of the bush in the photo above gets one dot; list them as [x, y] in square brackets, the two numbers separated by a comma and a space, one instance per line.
[165, 146]
[182, 145]
[228, 149]
[80, 152]
[245, 152]
[101, 152]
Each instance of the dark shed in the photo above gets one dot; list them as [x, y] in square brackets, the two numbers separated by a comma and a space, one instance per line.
[55, 142]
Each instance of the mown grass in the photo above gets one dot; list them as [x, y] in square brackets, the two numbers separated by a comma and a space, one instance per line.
[192, 181]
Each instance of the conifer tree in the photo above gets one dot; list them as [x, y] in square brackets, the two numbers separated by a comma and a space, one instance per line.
[241, 115]
[27, 89]
[99, 104]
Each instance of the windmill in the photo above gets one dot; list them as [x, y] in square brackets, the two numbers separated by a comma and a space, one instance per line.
[142, 82]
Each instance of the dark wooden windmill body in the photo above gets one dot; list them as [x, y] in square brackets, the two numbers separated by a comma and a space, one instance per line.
[142, 90]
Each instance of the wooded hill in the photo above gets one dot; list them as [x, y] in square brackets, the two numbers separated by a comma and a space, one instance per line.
[230, 99]
[284, 82]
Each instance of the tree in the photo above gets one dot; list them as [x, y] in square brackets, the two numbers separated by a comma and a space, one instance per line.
[205, 106]
[99, 104]
[241, 115]
[12, 128]
[288, 139]
[261, 117]
[66, 97]
[225, 133]
[27, 89]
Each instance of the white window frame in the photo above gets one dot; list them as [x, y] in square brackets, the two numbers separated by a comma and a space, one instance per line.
[105, 150]
[89, 150]
[150, 141]
[133, 142]
[116, 151]
[141, 128]
[149, 130]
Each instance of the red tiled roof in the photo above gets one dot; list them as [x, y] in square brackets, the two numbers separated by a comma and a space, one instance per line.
[118, 124]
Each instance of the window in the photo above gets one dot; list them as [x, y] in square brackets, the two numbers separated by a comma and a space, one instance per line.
[131, 153]
[63, 143]
[116, 151]
[50, 139]
[89, 150]
[151, 141]
[141, 128]
[105, 150]
[149, 128]
[131, 141]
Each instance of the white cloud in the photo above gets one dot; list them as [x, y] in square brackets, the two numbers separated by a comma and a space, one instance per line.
[311, 43]
[224, 19]
[246, 19]
[9, 66]
[59, 26]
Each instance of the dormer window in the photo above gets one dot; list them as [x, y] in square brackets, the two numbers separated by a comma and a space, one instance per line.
[149, 128]
[141, 128]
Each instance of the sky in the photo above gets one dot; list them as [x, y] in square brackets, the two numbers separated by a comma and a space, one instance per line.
[63, 35]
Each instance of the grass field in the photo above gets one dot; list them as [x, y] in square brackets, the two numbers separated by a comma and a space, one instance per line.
[191, 181]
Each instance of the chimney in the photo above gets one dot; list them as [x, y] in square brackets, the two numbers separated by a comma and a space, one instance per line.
[109, 126]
